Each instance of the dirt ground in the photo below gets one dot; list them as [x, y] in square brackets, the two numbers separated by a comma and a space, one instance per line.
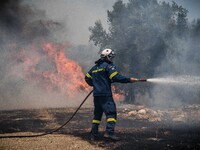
[135, 132]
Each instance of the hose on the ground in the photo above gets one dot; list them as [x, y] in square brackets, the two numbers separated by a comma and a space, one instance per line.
[55, 130]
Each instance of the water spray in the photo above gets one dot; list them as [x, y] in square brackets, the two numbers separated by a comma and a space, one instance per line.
[185, 80]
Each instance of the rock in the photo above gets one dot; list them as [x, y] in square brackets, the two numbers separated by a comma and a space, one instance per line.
[142, 116]
[142, 111]
[152, 112]
[157, 119]
[132, 113]
[160, 113]
[179, 118]
[125, 110]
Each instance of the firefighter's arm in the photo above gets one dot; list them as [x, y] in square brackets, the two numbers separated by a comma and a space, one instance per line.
[88, 78]
[120, 78]
[115, 76]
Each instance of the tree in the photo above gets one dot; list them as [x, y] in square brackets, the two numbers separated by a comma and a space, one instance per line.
[181, 19]
[139, 33]
[99, 35]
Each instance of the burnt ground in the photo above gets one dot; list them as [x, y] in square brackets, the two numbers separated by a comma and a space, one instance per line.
[134, 133]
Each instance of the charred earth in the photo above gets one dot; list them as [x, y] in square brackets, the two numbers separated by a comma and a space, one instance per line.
[138, 127]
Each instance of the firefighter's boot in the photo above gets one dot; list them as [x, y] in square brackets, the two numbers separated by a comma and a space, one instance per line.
[110, 131]
[94, 135]
[112, 137]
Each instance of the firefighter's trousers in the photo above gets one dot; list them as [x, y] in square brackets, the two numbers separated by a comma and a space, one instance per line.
[104, 104]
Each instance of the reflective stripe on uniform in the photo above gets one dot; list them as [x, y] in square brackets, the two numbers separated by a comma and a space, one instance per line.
[98, 70]
[88, 75]
[113, 74]
[96, 121]
[111, 120]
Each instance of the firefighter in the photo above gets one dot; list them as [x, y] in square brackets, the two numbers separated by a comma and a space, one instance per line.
[100, 76]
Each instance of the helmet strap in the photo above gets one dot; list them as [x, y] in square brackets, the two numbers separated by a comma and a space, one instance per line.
[109, 59]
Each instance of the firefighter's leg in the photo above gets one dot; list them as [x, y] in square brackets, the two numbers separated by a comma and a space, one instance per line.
[109, 108]
[98, 112]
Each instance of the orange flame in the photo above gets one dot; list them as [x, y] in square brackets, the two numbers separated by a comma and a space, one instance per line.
[66, 76]
[69, 74]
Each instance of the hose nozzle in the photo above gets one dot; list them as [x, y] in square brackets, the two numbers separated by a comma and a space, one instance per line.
[142, 80]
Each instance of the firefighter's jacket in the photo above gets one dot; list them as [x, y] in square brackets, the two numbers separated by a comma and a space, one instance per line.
[102, 75]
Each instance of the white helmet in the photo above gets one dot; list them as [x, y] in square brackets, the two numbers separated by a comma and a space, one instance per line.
[108, 53]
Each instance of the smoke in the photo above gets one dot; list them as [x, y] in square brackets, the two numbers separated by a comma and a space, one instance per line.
[192, 6]
[184, 61]
[76, 15]
[27, 23]
[150, 37]
[172, 57]
[25, 27]
[181, 59]
[30, 75]
[20, 27]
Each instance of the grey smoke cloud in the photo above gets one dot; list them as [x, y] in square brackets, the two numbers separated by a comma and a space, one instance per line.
[77, 16]
[177, 54]
[61, 20]
[192, 6]
[177, 65]
[23, 61]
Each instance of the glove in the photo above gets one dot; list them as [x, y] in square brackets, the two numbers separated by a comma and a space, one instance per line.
[133, 80]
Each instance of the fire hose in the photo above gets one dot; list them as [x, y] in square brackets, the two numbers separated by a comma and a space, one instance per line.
[50, 132]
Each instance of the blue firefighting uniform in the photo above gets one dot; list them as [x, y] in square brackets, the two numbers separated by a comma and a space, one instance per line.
[100, 77]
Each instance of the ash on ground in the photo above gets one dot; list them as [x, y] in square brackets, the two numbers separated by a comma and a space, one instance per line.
[138, 127]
